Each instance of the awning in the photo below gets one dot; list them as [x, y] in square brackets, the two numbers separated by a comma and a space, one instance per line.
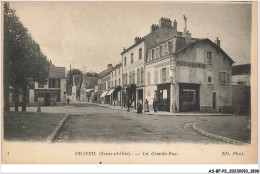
[110, 92]
[104, 94]
[89, 90]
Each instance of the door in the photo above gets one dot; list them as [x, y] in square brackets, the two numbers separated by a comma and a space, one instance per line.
[163, 97]
[214, 101]
[189, 97]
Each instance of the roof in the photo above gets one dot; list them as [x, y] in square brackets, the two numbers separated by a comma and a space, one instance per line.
[88, 82]
[76, 80]
[137, 43]
[104, 73]
[210, 42]
[117, 66]
[56, 72]
[241, 69]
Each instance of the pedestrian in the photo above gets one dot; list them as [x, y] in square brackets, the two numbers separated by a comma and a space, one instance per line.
[68, 101]
[139, 107]
[128, 105]
[146, 106]
[154, 105]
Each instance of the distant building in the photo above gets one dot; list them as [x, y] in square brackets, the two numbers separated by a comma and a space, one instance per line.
[116, 85]
[103, 85]
[87, 87]
[241, 74]
[53, 92]
[76, 87]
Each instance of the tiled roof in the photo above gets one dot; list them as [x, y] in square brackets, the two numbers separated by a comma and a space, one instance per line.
[56, 72]
[241, 69]
[117, 66]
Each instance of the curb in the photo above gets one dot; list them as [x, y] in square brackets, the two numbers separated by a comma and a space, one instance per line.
[217, 137]
[51, 138]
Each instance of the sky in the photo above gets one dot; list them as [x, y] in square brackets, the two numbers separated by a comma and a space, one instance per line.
[90, 35]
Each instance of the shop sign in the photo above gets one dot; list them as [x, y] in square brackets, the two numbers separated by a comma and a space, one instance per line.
[191, 64]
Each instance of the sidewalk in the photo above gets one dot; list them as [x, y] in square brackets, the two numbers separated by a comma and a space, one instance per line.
[151, 112]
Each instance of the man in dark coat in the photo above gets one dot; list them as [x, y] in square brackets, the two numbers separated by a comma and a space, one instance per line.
[139, 107]
[128, 105]
[155, 105]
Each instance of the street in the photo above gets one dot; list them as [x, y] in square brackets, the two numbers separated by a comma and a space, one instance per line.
[99, 123]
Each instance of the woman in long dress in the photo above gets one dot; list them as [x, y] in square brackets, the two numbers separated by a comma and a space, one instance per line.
[146, 106]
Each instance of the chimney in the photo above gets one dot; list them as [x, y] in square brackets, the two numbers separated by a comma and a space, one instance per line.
[109, 67]
[174, 25]
[187, 36]
[165, 22]
[137, 39]
[217, 42]
[154, 27]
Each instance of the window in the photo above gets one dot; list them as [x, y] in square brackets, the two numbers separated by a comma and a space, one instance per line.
[209, 57]
[40, 85]
[119, 71]
[119, 82]
[115, 83]
[142, 75]
[209, 77]
[148, 78]
[140, 53]
[150, 55]
[126, 79]
[153, 55]
[224, 78]
[161, 51]
[163, 76]
[112, 74]
[133, 77]
[166, 49]
[54, 83]
[138, 76]
[125, 61]
[132, 57]
[157, 53]
[156, 76]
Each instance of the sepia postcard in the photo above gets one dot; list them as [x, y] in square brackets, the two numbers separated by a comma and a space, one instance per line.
[109, 82]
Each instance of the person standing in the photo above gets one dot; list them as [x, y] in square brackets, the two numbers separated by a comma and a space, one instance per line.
[68, 101]
[154, 105]
[146, 106]
[139, 107]
[128, 105]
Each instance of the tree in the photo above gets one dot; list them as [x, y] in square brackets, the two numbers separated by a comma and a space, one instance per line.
[69, 82]
[23, 59]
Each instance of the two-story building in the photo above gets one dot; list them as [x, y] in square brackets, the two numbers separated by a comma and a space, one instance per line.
[53, 92]
[189, 75]
[133, 59]
[104, 85]
[116, 85]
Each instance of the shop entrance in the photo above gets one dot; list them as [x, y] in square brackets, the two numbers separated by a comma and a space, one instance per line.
[189, 97]
[140, 94]
[163, 93]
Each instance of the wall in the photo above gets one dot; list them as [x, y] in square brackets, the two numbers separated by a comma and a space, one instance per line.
[241, 78]
[197, 53]
[241, 102]
[62, 90]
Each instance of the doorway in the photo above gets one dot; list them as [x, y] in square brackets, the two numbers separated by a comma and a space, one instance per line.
[189, 97]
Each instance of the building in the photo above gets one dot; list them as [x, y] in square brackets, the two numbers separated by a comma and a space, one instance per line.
[51, 93]
[116, 85]
[134, 57]
[76, 87]
[87, 87]
[104, 85]
[186, 74]
[241, 74]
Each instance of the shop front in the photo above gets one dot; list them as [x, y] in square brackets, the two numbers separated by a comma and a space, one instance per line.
[130, 94]
[163, 97]
[189, 97]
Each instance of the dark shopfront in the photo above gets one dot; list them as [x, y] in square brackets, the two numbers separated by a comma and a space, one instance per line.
[130, 94]
[189, 97]
[163, 96]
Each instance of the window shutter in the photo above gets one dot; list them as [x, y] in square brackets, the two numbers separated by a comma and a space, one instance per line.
[161, 75]
[156, 76]
[167, 74]
[227, 78]
[219, 78]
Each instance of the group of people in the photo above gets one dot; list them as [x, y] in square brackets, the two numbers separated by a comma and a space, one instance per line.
[140, 105]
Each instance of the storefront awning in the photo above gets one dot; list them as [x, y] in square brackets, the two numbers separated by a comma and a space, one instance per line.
[104, 94]
[110, 92]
